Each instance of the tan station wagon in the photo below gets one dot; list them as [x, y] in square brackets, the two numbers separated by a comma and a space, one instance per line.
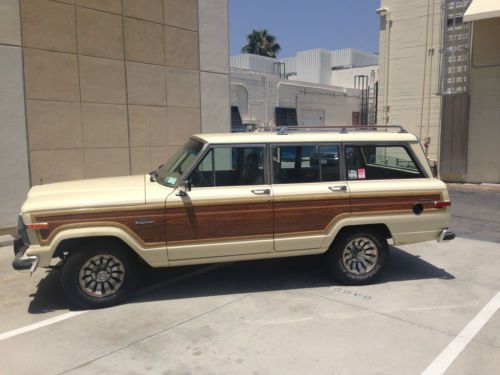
[228, 197]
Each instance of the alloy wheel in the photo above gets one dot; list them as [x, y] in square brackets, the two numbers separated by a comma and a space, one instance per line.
[101, 275]
[360, 256]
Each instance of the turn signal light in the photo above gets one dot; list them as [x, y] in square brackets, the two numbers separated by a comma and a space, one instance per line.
[38, 226]
[442, 204]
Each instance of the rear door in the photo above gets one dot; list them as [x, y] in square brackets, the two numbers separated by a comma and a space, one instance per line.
[310, 194]
[388, 185]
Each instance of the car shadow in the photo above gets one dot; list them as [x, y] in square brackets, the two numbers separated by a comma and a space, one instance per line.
[238, 277]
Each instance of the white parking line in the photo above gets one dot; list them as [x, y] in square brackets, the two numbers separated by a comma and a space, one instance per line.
[454, 348]
[72, 314]
[43, 323]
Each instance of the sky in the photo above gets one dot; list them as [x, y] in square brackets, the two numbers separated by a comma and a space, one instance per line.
[306, 24]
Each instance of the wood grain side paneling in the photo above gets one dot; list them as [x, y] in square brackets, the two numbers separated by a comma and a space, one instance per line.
[195, 223]
[307, 215]
[153, 232]
[226, 221]
[391, 203]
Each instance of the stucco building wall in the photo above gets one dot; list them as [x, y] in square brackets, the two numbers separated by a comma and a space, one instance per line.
[258, 94]
[110, 87]
[483, 155]
[409, 68]
[14, 169]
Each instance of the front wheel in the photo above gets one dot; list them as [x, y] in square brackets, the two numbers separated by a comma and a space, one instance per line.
[99, 275]
[358, 256]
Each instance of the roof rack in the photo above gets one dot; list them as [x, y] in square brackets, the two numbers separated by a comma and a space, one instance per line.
[283, 130]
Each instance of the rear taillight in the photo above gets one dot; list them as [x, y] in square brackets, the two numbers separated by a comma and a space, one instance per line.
[442, 204]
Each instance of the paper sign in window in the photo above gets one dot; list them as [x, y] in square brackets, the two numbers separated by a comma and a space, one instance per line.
[352, 174]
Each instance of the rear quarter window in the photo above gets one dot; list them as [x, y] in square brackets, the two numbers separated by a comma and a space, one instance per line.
[372, 162]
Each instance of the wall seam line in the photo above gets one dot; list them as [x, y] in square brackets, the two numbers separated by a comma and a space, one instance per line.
[126, 88]
[30, 180]
[81, 97]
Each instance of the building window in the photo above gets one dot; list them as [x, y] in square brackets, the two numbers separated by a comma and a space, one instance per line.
[236, 123]
[455, 21]
[286, 116]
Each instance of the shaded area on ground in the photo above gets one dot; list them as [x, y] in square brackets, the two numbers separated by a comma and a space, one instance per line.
[240, 277]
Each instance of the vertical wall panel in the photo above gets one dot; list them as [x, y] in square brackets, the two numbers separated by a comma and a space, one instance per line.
[454, 137]
[214, 65]
[14, 182]
[10, 30]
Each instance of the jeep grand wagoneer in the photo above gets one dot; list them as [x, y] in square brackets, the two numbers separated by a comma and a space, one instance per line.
[227, 197]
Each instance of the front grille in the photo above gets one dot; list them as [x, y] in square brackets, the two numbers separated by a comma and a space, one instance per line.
[21, 230]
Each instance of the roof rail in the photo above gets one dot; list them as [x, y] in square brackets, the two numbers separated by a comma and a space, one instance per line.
[283, 130]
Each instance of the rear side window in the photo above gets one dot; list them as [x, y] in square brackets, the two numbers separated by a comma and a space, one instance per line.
[305, 163]
[380, 163]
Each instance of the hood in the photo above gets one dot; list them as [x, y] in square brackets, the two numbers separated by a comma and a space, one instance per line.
[101, 192]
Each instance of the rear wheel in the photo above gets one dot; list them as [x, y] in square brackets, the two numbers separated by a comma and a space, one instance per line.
[99, 275]
[358, 256]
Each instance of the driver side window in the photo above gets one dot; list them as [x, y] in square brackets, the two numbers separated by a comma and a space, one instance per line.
[230, 166]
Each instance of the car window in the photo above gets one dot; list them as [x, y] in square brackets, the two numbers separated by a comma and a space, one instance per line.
[305, 163]
[379, 163]
[170, 172]
[230, 166]
[330, 163]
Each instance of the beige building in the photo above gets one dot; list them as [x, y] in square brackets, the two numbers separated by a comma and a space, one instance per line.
[92, 88]
[409, 68]
[440, 78]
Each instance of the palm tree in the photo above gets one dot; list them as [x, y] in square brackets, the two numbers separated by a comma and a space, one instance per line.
[260, 42]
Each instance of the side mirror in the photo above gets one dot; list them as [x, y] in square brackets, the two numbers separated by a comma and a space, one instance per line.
[184, 187]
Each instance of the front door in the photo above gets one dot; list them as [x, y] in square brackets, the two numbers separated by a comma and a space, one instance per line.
[228, 211]
[309, 194]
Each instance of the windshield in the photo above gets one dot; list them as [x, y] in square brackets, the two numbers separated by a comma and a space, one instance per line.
[170, 172]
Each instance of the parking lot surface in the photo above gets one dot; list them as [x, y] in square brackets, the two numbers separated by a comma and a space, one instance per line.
[281, 316]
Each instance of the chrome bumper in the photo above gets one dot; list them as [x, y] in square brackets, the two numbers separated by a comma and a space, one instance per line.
[446, 235]
[23, 262]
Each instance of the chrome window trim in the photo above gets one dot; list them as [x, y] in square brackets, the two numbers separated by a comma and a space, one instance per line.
[210, 146]
[201, 155]
[317, 144]
[405, 145]
[269, 171]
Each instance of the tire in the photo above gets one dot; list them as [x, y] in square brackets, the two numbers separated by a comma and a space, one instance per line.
[100, 274]
[358, 256]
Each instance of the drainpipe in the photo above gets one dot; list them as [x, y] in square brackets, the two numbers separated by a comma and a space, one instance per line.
[384, 12]
[266, 108]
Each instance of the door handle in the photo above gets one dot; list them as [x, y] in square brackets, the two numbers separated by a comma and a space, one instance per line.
[338, 188]
[261, 191]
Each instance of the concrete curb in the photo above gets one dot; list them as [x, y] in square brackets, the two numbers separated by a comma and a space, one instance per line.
[6, 240]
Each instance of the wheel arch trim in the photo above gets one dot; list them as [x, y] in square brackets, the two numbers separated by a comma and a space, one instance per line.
[154, 256]
[375, 222]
